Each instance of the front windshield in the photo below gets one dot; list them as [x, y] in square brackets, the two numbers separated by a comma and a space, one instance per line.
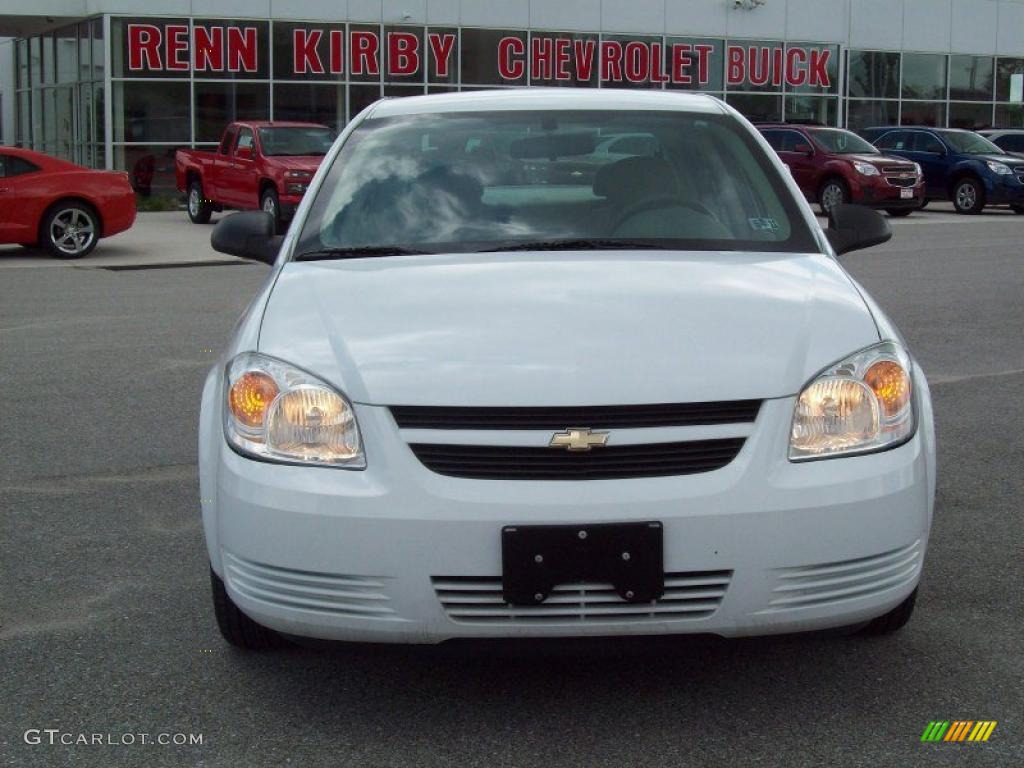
[842, 142]
[531, 180]
[967, 143]
[298, 142]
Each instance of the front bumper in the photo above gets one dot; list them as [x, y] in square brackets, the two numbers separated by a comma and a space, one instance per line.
[397, 553]
[879, 193]
[1007, 189]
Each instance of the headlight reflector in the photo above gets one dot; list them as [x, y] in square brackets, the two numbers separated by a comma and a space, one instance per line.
[865, 169]
[277, 412]
[858, 405]
[1000, 169]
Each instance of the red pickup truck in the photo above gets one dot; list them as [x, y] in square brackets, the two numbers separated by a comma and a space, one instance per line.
[258, 165]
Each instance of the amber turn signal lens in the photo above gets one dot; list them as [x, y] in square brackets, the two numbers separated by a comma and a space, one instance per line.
[891, 386]
[251, 396]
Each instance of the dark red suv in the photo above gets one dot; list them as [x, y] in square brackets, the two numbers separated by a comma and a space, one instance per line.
[832, 166]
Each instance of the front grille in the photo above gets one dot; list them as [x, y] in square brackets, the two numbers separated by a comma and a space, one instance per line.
[900, 176]
[478, 600]
[827, 583]
[501, 462]
[328, 593]
[595, 417]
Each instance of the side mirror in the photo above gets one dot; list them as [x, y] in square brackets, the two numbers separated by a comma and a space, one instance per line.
[244, 152]
[852, 227]
[803, 149]
[249, 234]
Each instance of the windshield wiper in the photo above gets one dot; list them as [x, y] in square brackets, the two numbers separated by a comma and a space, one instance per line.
[578, 244]
[358, 252]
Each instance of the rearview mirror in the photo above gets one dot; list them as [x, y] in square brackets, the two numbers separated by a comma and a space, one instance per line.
[249, 235]
[852, 227]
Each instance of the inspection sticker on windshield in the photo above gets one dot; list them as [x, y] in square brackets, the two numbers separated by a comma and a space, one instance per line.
[764, 224]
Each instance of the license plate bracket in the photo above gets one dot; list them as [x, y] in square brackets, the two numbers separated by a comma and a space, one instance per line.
[537, 558]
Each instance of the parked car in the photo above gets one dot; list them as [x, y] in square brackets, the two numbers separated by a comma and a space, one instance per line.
[258, 165]
[464, 407]
[832, 166]
[958, 165]
[1007, 139]
[59, 206]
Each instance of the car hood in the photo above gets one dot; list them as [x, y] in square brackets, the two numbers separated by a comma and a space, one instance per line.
[880, 160]
[520, 329]
[1008, 159]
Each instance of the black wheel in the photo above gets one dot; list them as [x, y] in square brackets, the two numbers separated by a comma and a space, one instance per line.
[968, 195]
[832, 192]
[70, 230]
[894, 620]
[237, 628]
[900, 212]
[270, 203]
[199, 208]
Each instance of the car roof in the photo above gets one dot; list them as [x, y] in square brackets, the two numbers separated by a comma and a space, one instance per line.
[548, 99]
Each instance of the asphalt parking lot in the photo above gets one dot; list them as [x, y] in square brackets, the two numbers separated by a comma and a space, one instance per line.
[106, 627]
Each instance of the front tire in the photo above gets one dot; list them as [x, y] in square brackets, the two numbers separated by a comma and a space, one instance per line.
[70, 230]
[237, 628]
[832, 192]
[270, 203]
[968, 196]
[900, 212]
[894, 620]
[199, 208]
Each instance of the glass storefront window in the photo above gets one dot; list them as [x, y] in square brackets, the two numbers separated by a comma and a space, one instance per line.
[24, 125]
[150, 168]
[864, 113]
[564, 59]
[48, 63]
[35, 60]
[971, 78]
[223, 49]
[360, 97]
[22, 54]
[151, 112]
[1009, 116]
[814, 66]
[218, 104]
[444, 57]
[757, 108]
[99, 55]
[931, 113]
[403, 50]
[812, 109]
[364, 53]
[1010, 80]
[84, 54]
[308, 51]
[924, 76]
[694, 64]
[749, 66]
[315, 102]
[493, 57]
[873, 74]
[973, 117]
[66, 53]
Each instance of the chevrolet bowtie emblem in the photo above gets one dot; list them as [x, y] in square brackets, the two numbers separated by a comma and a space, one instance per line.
[578, 439]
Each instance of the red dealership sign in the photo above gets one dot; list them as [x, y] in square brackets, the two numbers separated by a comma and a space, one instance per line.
[545, 58]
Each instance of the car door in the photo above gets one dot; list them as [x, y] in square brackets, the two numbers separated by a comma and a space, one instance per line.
[799, 153]
[931, 154]
[213, 182]
[240, 177]
[17, 199]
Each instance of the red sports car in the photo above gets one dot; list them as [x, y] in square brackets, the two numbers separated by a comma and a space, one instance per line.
[58, 205]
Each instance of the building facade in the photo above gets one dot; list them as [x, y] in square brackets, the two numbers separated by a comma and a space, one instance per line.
[112, 83]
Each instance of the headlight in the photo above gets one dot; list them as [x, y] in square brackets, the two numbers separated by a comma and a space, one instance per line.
[917, 169]
[1001, 169]
[276, 412]
[865, 169]
[861, 404]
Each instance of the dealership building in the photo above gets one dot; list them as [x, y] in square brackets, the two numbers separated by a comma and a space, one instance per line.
[123, 83]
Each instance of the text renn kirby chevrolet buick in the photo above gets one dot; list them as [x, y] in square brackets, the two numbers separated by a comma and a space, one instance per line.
[504, 381]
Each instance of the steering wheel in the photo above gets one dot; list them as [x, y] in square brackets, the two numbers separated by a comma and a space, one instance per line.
[656, 204]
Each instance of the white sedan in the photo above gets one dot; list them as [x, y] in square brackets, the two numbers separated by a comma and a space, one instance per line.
[493, 388]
